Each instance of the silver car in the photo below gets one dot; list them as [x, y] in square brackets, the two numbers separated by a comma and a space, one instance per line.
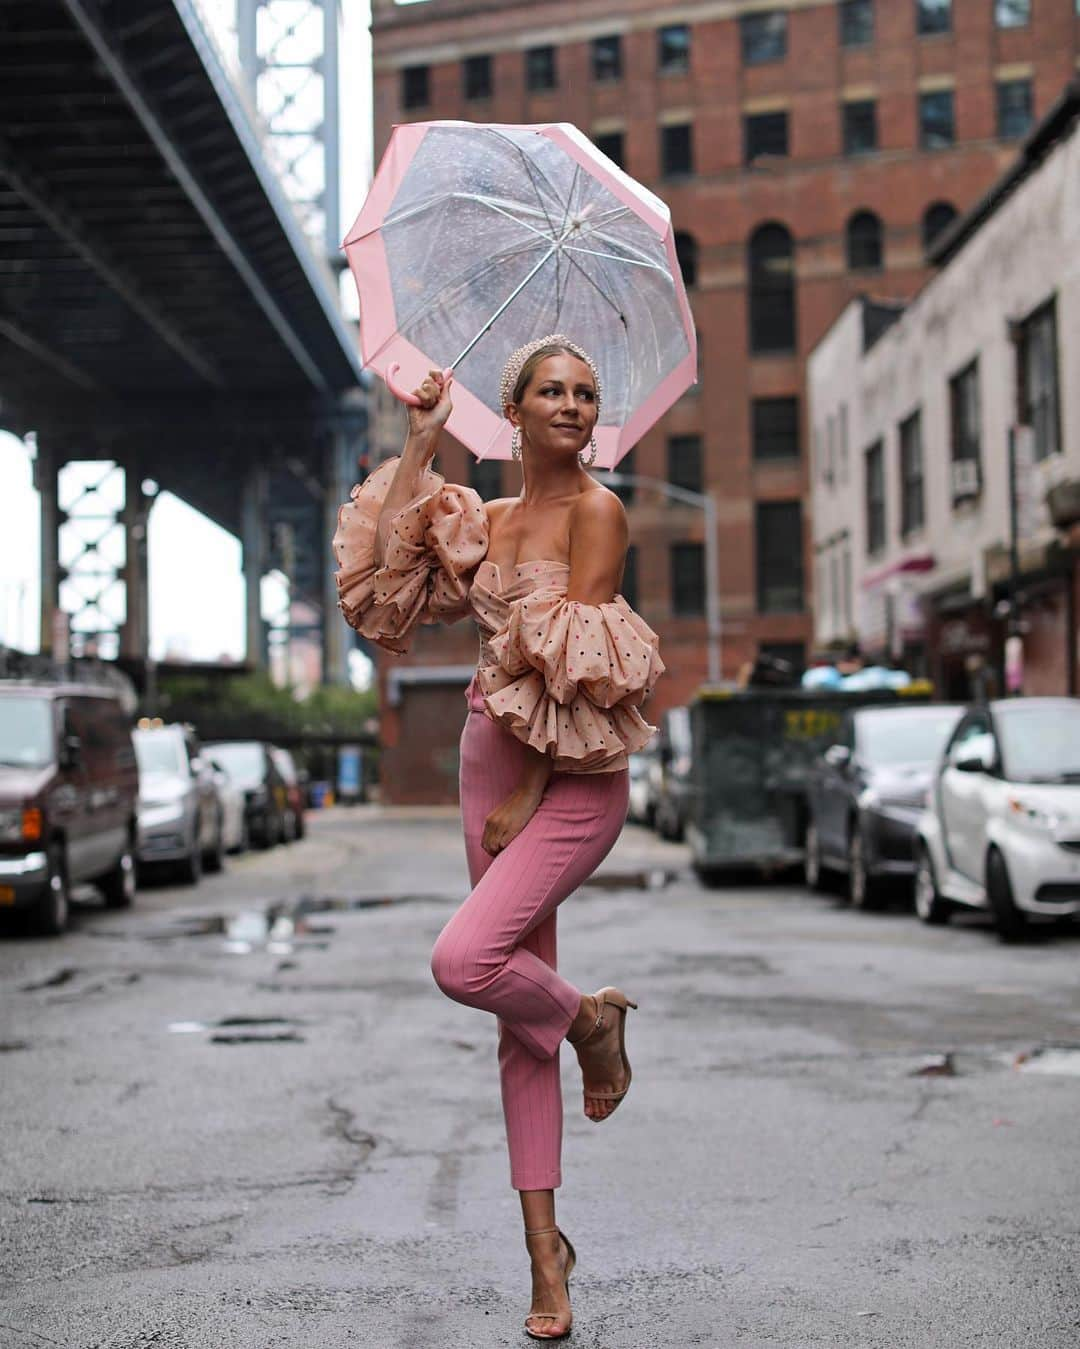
[180, 815]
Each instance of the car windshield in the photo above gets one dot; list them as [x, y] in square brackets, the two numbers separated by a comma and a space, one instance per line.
[243, 762]
[157, 753]
[906, 735]
[1040, 742]
[25, 733]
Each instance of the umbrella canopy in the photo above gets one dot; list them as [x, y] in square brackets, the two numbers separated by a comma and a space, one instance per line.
[475, 239]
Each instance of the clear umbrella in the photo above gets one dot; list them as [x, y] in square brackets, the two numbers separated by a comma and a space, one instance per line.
[475, 239]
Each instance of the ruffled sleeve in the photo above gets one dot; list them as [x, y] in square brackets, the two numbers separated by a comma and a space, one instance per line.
[568, 678]
[433, 543]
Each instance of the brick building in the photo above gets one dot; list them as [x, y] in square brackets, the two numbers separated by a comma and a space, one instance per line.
[808, 151]
[914, 537]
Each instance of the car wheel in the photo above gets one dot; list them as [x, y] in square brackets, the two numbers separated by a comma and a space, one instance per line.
[214, 859]
[929, 904]
[49, 915]
[190, 869]
[1012, 924]
[118, 884]
[812, 868]
[864, 891]
[301, 828]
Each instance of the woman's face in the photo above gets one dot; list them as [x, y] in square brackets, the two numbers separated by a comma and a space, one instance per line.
[557, 412]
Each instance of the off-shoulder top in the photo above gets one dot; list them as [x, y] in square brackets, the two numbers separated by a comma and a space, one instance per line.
[565, 677]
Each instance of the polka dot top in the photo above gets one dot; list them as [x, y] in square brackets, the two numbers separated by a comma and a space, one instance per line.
[565, 677]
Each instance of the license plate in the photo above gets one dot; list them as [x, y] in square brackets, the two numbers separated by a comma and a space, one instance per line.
[7, 894]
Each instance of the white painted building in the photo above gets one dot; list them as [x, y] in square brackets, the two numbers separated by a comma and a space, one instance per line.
[913, 410]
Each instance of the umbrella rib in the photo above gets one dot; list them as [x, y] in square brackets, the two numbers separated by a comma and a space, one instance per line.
[462, 278]
[438, 199]
[529, 167]
[614, 257]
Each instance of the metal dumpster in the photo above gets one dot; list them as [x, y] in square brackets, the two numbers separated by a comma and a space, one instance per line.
[751, 758]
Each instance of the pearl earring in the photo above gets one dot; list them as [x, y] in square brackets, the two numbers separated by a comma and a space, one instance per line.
[515, 443]
[588, 463]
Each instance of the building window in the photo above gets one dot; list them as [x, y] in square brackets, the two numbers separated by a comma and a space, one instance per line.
[764, 37]
[607, 58]
[779, 557]
[485, 477]
[676, 150]
[864, 242]
[686, 250]
[775, 424]
[933, 16]
[628, 589]
[936, 220]
[772, 290]
[625, 491]
[966, 433]
[687, 580]
[875, 498]
[477, 74]
[1039, 398]
[936, 126]
[415, 87]
[860, 127]
[912, 503]
[765, 133]
[856, 23]
[539, 69]
[611, 144]
[1014, 109]
[1012, 13]
[684, 462]
[673, 49]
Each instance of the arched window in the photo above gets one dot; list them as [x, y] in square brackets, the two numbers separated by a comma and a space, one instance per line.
[686, 251]
[864, 242]
[936, 220]
[772, 289]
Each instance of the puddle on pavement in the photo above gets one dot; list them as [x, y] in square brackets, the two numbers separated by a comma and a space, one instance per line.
[1056, 1060]
[243, 1030]
[651, 878]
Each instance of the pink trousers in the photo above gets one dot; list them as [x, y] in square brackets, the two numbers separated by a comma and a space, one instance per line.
[498, 951]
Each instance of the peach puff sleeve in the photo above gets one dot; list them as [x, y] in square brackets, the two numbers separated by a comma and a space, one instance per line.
[434, 543]
[568, 678]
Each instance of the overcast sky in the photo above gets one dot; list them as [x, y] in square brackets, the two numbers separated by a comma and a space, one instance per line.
[196, 588]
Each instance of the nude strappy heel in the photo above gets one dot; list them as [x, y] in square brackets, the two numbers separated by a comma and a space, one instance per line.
[615, 998]
[571, 1261]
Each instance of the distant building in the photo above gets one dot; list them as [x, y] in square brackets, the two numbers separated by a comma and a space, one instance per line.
[913, 536]
[809, 151]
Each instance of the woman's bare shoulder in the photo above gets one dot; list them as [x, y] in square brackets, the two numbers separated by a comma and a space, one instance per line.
[498, 507]
[599, 505]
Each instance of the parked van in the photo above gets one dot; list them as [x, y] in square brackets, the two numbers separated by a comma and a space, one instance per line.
[68, 791]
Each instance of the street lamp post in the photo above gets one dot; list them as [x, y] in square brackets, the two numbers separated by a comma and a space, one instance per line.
[703, 502]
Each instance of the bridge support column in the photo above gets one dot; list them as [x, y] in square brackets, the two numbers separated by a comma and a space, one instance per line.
[339, 474]
[256, 547]
[46, 469]
[135, 632]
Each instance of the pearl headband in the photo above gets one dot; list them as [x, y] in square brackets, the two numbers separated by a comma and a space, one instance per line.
[513, 367]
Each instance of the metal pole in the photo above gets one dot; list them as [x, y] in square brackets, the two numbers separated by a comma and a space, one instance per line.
[331, 132]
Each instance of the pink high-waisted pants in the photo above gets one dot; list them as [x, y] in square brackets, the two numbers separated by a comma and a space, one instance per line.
[498, 952]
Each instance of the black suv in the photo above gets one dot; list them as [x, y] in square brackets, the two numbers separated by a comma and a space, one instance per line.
[68, 791]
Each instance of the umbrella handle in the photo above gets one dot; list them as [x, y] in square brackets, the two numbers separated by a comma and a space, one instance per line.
[403, 394]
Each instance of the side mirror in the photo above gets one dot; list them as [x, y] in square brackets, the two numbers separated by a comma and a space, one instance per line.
[70, 751]
[972, 763]
[838, 756]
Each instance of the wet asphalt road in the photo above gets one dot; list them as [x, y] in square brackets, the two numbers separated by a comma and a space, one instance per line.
[316, 1159]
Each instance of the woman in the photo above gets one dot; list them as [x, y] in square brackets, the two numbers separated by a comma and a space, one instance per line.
[553, 713]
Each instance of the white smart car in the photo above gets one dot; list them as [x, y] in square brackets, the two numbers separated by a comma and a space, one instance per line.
[1001, 830]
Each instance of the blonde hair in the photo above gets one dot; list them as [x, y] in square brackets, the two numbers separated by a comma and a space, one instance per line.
[521, 365]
